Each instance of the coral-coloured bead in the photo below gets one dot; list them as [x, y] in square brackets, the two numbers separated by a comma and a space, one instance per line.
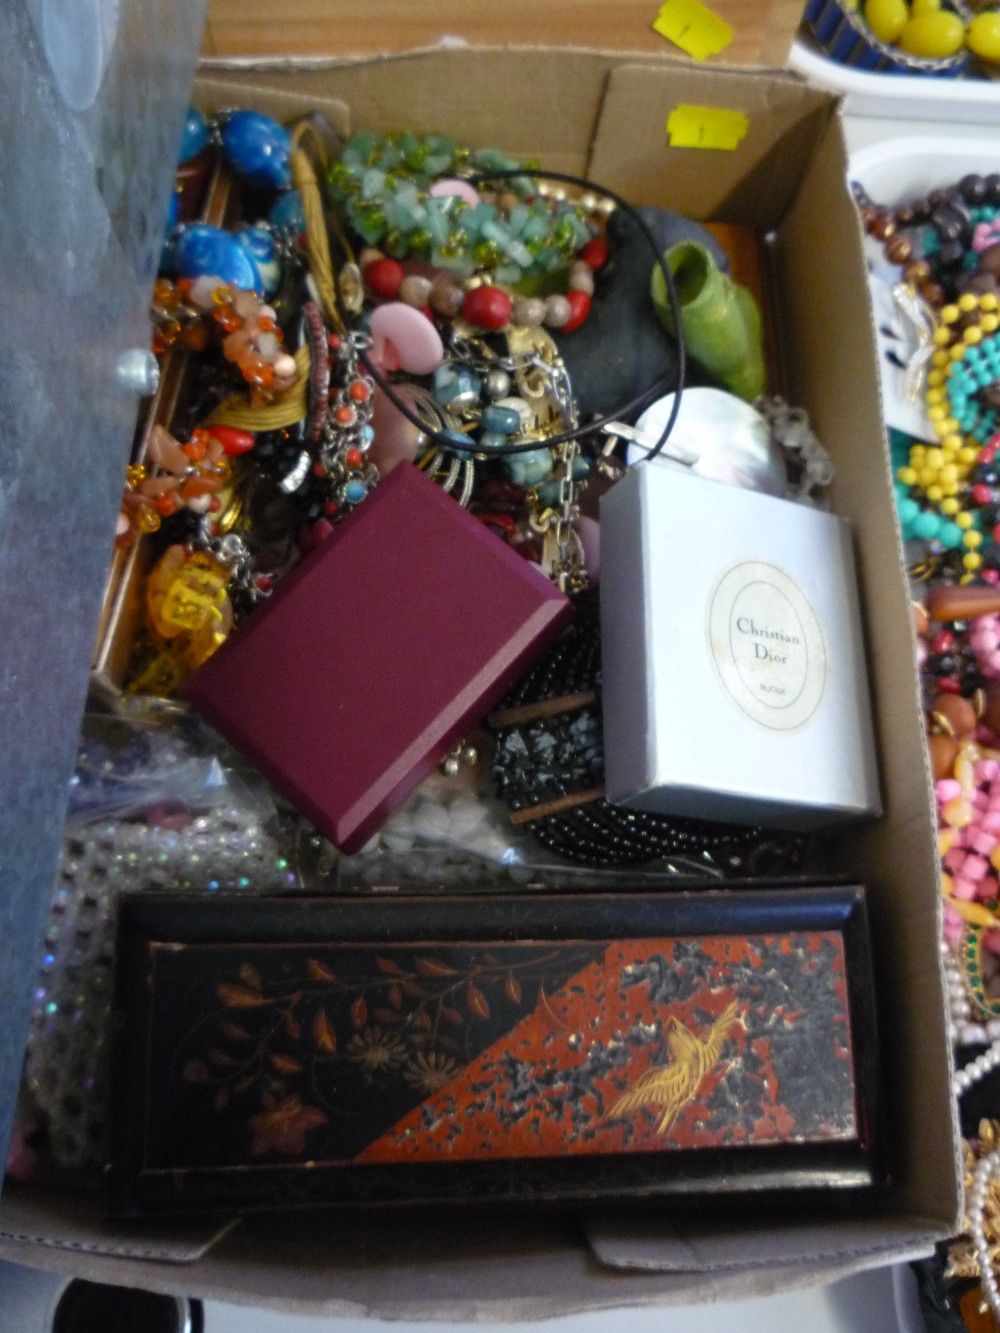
[195, 449]
[167, 503]
[579, 309]
[981, 494]
[595, 253]
[383, 277]
[345, 416]
[487, 307]
[354, 458]
[234, 442]
[359, 391]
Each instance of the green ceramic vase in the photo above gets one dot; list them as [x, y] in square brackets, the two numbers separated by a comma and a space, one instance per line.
[720, 321]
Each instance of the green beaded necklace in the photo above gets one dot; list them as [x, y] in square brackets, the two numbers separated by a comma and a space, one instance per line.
[381, 182]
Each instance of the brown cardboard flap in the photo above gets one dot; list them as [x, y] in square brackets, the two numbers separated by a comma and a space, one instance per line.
[29, 1219]
[762, 29]
[520, 107]
[753, 184]
[821, 267]
[651, 1244]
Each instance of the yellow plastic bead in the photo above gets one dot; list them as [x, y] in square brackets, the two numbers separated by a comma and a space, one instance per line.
[949, 472]
[951, 442]
[949, 506]
[973, 560]
[920, 7]
[934, 494]
[934, 457]
[983, 36]
[918, 452]
[957, 352]
[926, 477]
[935, 377]
[972, 539]
[989, 323]
[949, 313]
[950, 426]
[907, 475]
[886, 18]
[967, 301]
[968, 456]
[935, 395]
[973, 335]
[941, 358]
[951, 488]
[938, 412]
[964, 520]
[988, 300]
[933, 36]
[957, 813]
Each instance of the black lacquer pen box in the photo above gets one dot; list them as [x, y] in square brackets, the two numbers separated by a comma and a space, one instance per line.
[587, 1046]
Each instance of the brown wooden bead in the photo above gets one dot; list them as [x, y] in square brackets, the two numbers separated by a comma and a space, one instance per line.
[898, 250]
[949, 602]
[883, 227]
[932, 293]
[957, 712]
[943, 751]
[991, 705]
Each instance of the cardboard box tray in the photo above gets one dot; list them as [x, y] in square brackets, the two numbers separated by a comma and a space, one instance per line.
[604, 116]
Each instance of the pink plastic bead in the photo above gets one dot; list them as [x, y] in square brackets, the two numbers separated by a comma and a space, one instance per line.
[947, 788]
[963, 888]
[975, 868]
[990, 822]
[986, 770]
[982, 842]
[980, 800]
[955, 860]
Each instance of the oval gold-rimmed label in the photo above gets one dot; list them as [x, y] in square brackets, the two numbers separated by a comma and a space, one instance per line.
[767, 645]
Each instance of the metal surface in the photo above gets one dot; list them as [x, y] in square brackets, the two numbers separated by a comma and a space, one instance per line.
[92, 97]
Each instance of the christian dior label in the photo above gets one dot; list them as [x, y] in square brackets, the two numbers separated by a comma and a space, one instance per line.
[767, 645]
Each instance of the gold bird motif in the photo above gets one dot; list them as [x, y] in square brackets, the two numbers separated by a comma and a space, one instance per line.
[672, 1086]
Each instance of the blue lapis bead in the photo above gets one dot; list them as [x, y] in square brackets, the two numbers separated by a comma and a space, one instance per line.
[260, 245]
[502, 420]
[203, 250]
[528, 469]
[287, 214]
[354, 492]
[195, 135]
[258, 148]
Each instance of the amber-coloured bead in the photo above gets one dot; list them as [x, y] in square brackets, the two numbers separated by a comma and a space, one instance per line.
[883, 227]
[932, 293]
[898, 249]
[917, 272]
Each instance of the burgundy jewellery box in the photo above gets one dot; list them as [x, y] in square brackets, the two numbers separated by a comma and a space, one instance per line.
[375, 656]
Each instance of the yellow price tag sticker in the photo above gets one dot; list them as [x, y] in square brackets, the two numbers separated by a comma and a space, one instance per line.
[706, 127]
[694, 28]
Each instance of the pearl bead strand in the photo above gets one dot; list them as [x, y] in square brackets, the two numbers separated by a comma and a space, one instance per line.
[986, 1171]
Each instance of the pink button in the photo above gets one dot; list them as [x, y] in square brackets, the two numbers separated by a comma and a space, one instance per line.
[450, 185]
[963, 888]
[975, 868]
[405, 339]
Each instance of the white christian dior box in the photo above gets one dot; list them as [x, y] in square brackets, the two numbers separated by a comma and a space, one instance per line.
[734, 682]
